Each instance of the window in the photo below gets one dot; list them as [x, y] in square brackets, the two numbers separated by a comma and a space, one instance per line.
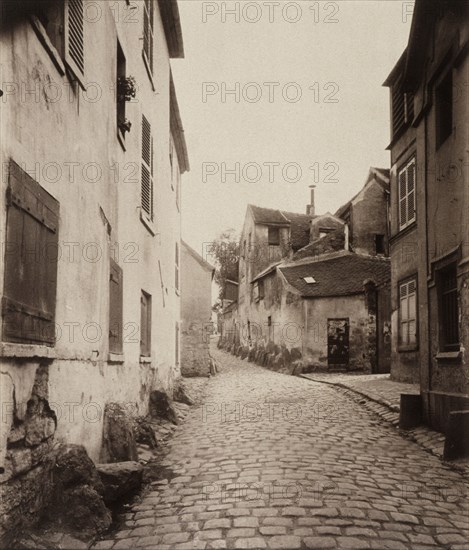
[145, 324]
[148, 15]
[402, 106]
[274, 235]
[379, 244]
[115, 308]
[259, 291]
[408, 313]
[448, 311]
[176, 269]
[31, 252]
[147, 169]
[444, 109]
[63, 23]
[120, 102]
[406, 190]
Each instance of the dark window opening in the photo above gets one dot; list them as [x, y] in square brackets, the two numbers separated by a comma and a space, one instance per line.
[261, 290]
[379, 244]
[274, 236]
[145, 324]
[51, 15]
[444, 109]
[448, 313]
[120, 102]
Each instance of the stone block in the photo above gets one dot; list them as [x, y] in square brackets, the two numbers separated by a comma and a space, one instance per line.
[457, 436]
[410, 414]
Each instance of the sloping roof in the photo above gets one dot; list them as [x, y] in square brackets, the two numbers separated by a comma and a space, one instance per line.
[299, 223]
[198, 257]
[382, 177]
[268, 215]
[340, 275]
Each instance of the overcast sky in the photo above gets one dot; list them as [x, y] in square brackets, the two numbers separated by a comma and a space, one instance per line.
[308, 105]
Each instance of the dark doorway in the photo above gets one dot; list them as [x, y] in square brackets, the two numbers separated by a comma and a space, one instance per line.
[338, 342]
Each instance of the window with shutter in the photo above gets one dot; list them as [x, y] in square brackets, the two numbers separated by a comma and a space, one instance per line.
[406, 188]
[145, 324]
[448, 308]
[408, 313]
[31, 252]
[147, 169]
[115, 308]
[148, 16]
[74, 53]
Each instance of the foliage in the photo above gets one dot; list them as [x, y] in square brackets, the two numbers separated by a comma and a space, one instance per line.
[126, 88]
[224, 251]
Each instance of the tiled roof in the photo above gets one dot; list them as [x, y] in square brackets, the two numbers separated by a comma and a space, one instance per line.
[299, 223]
[337, 275]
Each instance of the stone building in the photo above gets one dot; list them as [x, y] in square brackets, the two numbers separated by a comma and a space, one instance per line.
[429, 209]
[196, 312]
[92, 156]
[315, 288]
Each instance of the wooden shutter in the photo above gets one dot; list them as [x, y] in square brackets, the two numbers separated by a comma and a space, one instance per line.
[147, 169]
[31, 252]
[148, 33]
[145, 324]
[411, 191]
[402, 198]
[74, 53]
[115, 307]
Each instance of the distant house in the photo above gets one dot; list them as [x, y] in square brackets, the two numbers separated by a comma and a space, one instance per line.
[196, 312]
[429, 209]
[306, 295]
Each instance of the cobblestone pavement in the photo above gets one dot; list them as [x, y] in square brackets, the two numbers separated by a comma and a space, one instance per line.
[276, 461]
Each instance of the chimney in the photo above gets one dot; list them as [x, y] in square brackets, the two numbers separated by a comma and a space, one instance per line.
[310, 207]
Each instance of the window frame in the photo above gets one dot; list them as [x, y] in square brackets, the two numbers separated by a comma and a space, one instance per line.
[404, 168]
[271, 241]
[443, 345]
[408, 346]
[145, 324]
[116, 309]
[148, 29]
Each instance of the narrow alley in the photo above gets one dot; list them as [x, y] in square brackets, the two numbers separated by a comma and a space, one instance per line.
[276, 461]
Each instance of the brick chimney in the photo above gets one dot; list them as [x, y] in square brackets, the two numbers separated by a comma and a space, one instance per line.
[310, 207]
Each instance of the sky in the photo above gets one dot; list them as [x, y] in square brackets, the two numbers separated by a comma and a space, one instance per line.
[278, 95]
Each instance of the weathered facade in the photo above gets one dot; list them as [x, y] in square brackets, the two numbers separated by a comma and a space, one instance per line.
[285, 314]
[90, 224]
[196, 312]
[429, 206]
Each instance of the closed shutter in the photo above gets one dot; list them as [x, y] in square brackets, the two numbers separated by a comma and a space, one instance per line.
[145, 324]
[31, 252]
[115, 307]
[402, 199]
[148, 33]
[411, 191]
[147, 169]
[74, 38]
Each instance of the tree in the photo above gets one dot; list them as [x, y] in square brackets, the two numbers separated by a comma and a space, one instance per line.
[225, 251]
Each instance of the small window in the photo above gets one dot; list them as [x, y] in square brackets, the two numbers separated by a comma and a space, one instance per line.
[379, 244]
[147, 169]
[408, 313]
[176, 267]
[261, 290]
[269, 321]
[444, 109]
[30, 268]
[406, 190]
[274, 236]
[115, 308]
[309, 280]
[148, 16]
[145, 324]
[448, 310]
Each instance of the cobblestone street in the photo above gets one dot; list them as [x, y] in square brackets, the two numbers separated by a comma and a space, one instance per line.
[276, 461]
